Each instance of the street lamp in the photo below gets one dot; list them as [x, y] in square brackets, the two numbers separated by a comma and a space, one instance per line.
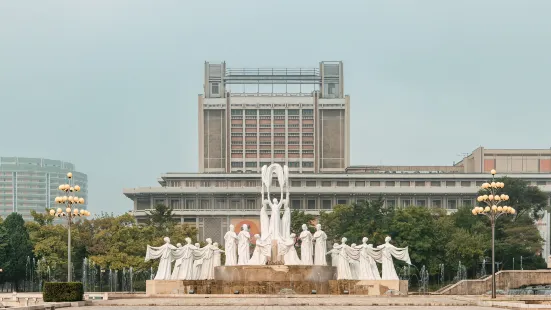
[493, 210]
[71, 211]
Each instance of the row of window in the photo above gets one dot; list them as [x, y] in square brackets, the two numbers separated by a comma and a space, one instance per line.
[252, 112]
[239, 164]
[306, 203]
[314, 183]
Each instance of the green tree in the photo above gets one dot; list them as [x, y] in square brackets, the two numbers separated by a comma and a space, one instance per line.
[18, 248]
[357, 220]
[298, 218]
[160, 218]
[3, 249]
[43, 218]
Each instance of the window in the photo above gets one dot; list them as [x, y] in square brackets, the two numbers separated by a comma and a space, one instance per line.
[190, 220]
[331, 88]
[221, 183]
[250, 164]
[251, 183]
[452, 204]
[450, 183]
[236, 112]
[175, 204]
[311, 205]
[343, 183]
[541, 183]
[307, 112]
[307, 164]
[205, 184]
[294, 164]
[219, 204]
[239, 164]
[359, 183]
[296, 204]
[479, 183]
[465, 183]
[310, 183]
[375, 183]
[235, 183]
[467, 202]
[292, 112]
[235, 204]
[251, 204]
[250, 112]
[296, 184]
[342, 201]
[435, 183]
[326, 183]
[279, 112]
[437, 203]
[421, 202]
[419, 183]
[404, 184]
[390, 183]
[406, 202]
[391, 203]
[265, 112]
[326, 204]
[215, 88]
[205, 204]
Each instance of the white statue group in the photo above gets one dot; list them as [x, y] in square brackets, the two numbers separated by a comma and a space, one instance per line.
[192, 262]
[275, 243]
[358, 262]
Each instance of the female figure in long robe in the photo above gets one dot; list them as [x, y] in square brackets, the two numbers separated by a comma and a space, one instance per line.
[205, 257]
[185, 268]
[230, 239]
[355, 265]
[306, 247]
[368, 266]
[388, 251]
[196, 267]
[320, 247]
[346, 254]
[164, 253]
[178, 262]
[217, 255]
[335, 251]
[243, 246]
[286, 218]
[286, 248]
[275, 220]
[262, 251]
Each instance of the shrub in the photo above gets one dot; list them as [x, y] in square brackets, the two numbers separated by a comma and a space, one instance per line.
[63, 291]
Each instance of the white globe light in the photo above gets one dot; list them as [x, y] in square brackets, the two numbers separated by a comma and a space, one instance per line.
[69, 175]
[68, 210]
[493, 171]
[52, 212]
[58, 210]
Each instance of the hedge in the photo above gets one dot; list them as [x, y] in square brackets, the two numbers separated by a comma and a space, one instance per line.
[63, 291]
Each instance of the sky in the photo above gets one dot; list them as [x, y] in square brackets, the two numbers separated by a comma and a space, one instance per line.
[112, 86]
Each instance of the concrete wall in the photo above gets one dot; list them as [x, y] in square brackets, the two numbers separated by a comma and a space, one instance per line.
[505, 280]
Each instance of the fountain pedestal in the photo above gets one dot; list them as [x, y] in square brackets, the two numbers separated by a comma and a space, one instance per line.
[275, 273]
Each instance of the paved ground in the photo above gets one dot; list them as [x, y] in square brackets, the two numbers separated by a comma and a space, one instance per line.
[287, 308]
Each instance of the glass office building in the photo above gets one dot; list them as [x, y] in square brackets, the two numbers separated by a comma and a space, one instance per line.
[28, 184]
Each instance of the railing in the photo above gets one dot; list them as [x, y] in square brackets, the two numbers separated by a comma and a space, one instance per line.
[271, 94]
[272, 71]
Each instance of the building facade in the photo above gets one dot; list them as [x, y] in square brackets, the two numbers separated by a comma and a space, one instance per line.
[212, 202]
[242, 131]
[28, 184]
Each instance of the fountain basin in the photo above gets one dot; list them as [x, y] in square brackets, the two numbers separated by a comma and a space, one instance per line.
[275, 273]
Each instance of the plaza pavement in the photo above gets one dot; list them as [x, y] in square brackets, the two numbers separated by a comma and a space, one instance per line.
[290, 308]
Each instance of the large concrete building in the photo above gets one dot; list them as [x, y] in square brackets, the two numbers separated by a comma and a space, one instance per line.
[239, 132]
[28, 184]
[242, 131]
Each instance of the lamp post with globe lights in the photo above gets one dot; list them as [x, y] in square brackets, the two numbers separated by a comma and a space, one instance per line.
[69, 200]
[493, 200]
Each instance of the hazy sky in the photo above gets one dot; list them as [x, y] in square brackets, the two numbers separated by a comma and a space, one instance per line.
[112, 86]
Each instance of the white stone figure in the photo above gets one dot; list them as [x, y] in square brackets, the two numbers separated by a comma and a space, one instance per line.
[177, 264]
[286, 218]
[196, 271]
[217, 255]
[230, 239]
[354, 265]
[275, 227]
[262, 251]
[306, 247]
[264, 220]
[346, 255]
[335, 251]
[275, 220]
[387, 252]
[286, 248]
[185, 261]
[320, 247]
[368, 258]
[243, 246]
[205, 258]
[164, 253]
